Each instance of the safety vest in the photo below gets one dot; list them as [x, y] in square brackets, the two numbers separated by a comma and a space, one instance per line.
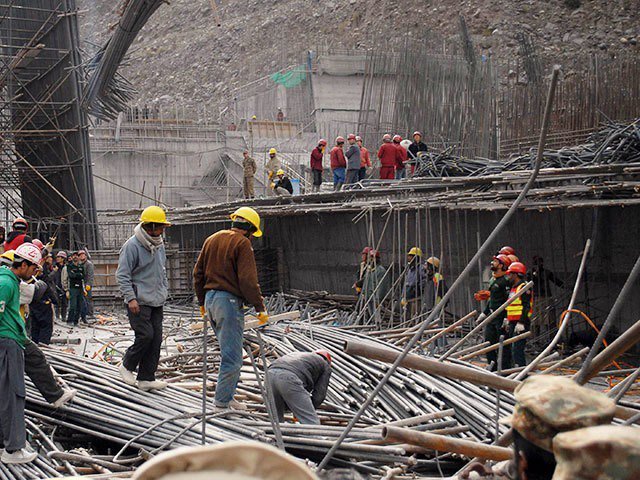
[514, 311]
[437, 278]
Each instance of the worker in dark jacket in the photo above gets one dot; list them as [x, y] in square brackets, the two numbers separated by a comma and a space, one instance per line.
[317, 155]
[282, 185]
[415, 149]
[41, 311]
[299, 382]
[353, 155]
[75, 292]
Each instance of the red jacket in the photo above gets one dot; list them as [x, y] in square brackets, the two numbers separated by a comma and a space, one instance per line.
[15, 239]
[401, 157]
[316, 159]
[337, 158]
[387, 154]
[365, 158]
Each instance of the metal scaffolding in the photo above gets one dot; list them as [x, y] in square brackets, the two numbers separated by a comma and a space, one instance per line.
[45, 169]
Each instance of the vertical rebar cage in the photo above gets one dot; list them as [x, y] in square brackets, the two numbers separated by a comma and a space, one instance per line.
[46, 164]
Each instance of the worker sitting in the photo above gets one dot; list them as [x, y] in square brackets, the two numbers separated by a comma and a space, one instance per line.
[282, 185]
[299, 381]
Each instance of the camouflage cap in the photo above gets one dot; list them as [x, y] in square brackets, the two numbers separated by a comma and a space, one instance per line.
[605, 452]
[547, 405]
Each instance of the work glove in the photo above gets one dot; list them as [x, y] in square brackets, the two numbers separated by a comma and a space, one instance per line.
[481, 318]
[505, 324]
[403, 302]
[358, 289]
[87, 288]
[263, 318]
[520, 328]
[67, 295]
[273, 185]
[203, 312]
[482, 295]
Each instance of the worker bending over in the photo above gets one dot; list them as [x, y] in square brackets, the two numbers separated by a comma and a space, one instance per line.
[282, 185]
[225, 278]
[299, 382]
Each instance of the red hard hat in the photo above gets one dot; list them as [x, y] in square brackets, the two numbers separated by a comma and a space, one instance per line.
[351, 136]
[506, 250]
[325, 354]
[417, 133]
[366, 250]
[386, 137]
[38, 243]
[339, 139]
[503, 259]
[397, 138]
[513, 258]
[517, 267]
[20, 223]
[322, 142]
[374, 253]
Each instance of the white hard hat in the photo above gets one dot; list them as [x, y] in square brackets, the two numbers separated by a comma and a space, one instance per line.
[29, 252]
[405, 143]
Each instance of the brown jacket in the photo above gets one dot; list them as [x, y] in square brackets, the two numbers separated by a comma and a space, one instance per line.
[226, 262]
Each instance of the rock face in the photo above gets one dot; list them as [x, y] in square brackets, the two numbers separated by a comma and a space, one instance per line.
[183, 53]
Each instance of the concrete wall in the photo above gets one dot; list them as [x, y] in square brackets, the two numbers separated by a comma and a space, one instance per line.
[164, 160]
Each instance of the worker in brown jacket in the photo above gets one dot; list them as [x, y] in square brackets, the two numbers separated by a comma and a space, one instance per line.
[225, 278]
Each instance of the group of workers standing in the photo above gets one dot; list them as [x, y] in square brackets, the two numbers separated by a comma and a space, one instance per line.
[349, 160]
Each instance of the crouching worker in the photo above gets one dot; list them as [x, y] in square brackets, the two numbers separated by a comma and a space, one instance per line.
[299, 382]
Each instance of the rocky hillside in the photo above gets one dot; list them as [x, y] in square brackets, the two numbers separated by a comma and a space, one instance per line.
[183, 52]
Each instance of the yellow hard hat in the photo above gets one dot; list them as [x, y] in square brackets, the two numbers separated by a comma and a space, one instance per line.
[416, 251]
[253, 117]
[251, 216]
[280, 172]
[435, 261]
[272, 151]
[7, 257]
[154, 214]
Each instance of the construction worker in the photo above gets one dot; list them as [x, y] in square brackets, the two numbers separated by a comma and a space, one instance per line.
[249, 169]
[224, 278]
[338, 164]
[13, 338]
[435, 285]
[280, 115]
[75, 290]
[519, 313]
[375, 285]
[229, 460]
[41, 310]
[282, 185]
[357, 286]
[546, 406]
[56, 277]
[415, 280]
[401, 158]
[18, 235]
[498, 293]
[387, 154]
[354, 159]
[416, 149]
[89, 279]
[604, 452]
[273, 164]
[142, 280]
[35, 363]
[365, 159]
[298, 382]
[317, 155]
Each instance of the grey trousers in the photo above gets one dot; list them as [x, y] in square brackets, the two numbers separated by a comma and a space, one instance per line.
[289, 392]
[13, 435]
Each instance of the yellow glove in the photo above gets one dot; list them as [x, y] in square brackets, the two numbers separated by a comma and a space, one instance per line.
[86, 294]
[263, 318]
[87, 288]
[67, 295]
[203, 312]
[358, 289]
[403, 302]
[273, 185]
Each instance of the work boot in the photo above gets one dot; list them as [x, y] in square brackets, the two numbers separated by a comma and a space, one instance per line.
[146, 385]
[128, 377]
[19, 456]
[67, 396]
[236, 405]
